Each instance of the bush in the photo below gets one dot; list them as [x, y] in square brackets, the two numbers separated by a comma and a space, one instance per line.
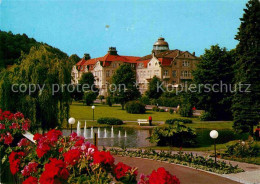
[205, 116]
[174, 135]
[110, 121]
[171, 111]
[162, 110]
[156, 109]
[177, 120]
[135, 107]
[89, 97]
[109, 101]
[145, 100]
[101, 97]
[244, 149]
[186, 110]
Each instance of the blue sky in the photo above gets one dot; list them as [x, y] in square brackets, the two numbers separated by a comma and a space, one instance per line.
[77, 26]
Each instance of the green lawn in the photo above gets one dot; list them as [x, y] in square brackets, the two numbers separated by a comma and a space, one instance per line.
[81, 112]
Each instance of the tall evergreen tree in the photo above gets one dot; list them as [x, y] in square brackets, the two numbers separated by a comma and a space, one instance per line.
[214, 70]
[246, 106]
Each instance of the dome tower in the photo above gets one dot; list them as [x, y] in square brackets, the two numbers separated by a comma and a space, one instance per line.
[160, 45]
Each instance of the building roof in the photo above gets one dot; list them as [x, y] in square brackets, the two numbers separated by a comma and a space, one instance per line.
[107, 59]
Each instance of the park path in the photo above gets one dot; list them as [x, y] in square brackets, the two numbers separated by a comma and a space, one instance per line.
[185, 174]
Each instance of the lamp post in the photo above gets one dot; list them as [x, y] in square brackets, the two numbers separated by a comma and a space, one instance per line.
[214, 135]
[71, 122]
[93, 107]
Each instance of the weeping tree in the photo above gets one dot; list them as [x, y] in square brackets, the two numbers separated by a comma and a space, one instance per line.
[45, 70]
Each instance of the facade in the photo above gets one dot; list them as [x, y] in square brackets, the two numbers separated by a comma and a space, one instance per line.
[173, 67]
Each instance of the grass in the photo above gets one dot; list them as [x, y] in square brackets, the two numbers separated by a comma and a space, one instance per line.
[206, 148]
[81, 112]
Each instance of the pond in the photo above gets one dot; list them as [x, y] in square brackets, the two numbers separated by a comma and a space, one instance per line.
[134, 138]
[118, 136]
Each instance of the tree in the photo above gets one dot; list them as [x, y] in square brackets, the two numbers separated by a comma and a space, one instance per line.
[124, 88]
[213, 71]
[154, 91]
[47, 68]
[74, 58]
[89, 97]
[246, 106]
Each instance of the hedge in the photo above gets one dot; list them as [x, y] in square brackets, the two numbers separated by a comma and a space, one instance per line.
[135, 107]
[110, 121]
[175, 120]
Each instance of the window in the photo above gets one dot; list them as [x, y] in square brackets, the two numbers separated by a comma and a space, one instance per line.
[107, 73]
[185, 63]
[174, 73]
[185, 73]
[114, 65]
[165, 73]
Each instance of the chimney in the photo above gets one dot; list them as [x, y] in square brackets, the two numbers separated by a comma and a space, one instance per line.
[86, 56]
[112, 51]
[193, 53]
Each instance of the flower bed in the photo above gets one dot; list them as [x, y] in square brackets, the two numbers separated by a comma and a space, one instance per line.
[186, 159]
[56, 159]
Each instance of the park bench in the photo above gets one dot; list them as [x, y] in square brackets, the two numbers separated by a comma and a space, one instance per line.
[141, 121]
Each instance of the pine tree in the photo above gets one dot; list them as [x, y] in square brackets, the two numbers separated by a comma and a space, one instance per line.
[246, 106]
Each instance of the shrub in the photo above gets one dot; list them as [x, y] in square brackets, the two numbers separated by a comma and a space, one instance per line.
[171, 111]
[205, 116]
[89, 97]
[110, 121]
[101, 97]
[243, 149]
[186, 110]
[174, 135]
[178, 120]
[156, 109]
[109, 101]
[162, 110]
[135, 107]
[145, 100]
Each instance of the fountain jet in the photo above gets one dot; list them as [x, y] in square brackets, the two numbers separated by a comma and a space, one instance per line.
[85, 130]
[105, 133]
[112, 132]
[91, 133]
[78, 129]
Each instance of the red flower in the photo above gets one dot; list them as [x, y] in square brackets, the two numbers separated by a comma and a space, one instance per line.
[53, 135]
[18, 115]
[23, 142]
[14, 160]
[72, 156]
[79, 142]
[37, 136]
[31, 180]
[42, 148]
[64, 173]
[103, 157]
[56, 168]
[8, 139]
[122, 170]
[161, 176]
[30, 168]
[2, 126]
